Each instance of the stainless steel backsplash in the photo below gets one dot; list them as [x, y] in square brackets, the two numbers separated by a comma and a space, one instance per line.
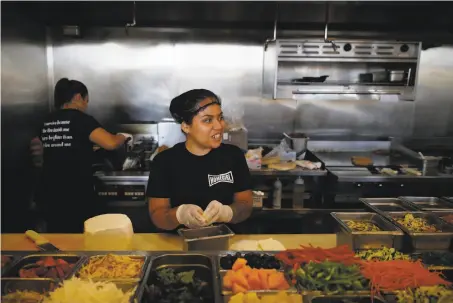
[133, 78]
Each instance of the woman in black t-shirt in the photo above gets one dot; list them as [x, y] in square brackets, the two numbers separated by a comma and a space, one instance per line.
[200, 181]
[66, 195]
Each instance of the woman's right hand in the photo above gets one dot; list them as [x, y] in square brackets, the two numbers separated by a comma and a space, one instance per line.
[191, 216]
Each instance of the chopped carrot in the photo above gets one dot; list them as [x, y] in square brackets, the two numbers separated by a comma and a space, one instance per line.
[254, 281]
[227, 282]
[275, 280]
[239, 263]
[240, 279]
[263, 279]
[246, 270]
[399, 275]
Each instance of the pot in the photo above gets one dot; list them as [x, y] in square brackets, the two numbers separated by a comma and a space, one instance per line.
[297, 141]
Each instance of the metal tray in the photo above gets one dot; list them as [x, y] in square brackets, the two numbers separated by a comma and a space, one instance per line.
[39, 285]
[212, 238]
[390, 236]
[428, 203]
[242, 253]
[9, 264]
[417, 256]
[120, 280]
[384, 205]
[429, 240]
[226, 298]
[443, 213]
[13, 271]
[202, 264]
[343, 299]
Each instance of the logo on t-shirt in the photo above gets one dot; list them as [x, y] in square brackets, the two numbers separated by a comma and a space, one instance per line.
[222, 178]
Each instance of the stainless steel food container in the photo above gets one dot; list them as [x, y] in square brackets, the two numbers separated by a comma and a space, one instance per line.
[426, 240]
[203, 266]
[212, 238]
[385, 205]
[39, 285]
[428, 203]
[125, 280]
[443, 213]
[397, 75]
[13, 271]
[390, 236]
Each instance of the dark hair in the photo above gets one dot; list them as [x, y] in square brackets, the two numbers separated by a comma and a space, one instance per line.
[66, 89]
[185, 106]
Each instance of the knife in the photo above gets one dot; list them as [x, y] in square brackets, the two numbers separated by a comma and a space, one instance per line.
[42, 243]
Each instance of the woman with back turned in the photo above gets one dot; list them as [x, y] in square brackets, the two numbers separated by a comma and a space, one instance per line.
[200, 181]
[66, 195]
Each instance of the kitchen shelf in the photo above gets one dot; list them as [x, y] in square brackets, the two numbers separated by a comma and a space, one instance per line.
[341, 83]
[367, 60]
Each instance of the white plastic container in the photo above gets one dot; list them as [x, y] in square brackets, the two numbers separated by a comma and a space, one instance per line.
[108, 232]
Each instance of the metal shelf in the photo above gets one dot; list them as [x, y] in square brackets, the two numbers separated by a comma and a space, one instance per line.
[354, 60]
[342, 83]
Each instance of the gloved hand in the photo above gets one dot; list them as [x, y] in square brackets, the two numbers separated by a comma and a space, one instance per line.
[191, 216]
[129, 139]
[217, 212]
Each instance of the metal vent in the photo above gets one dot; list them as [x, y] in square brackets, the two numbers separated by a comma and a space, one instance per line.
[373, 50]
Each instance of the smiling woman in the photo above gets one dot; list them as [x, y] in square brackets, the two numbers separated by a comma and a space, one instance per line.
[200, 181]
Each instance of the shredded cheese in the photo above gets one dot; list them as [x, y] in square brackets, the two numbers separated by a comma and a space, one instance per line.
[76, 290]
[112, 266]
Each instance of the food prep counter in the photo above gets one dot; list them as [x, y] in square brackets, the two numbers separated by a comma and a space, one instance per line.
[200, 276]
[159, 242]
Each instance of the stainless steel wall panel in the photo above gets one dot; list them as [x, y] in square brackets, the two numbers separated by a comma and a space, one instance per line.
[133, 78]
[23, 106]
[434, 102]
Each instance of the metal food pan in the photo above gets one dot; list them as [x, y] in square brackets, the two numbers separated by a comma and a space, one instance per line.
[418, 256]
[390, 236]
[384, 205]
[112, 279]
[11, 260]
[226, 298]
[443, 214]
[28, 261]
[242, 254]
[39, 285]
[356, 298]
[203, 266]
[428, 203]
[426, 240]
[211, 238]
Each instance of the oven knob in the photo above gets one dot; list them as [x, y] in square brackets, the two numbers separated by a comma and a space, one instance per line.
[402, 185]
[380, 184]
[359, 185]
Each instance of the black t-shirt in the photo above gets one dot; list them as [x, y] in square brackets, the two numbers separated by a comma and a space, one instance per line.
[68, 155]
[185, 178]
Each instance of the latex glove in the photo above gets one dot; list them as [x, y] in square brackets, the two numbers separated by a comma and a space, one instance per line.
[217, 212]
[191, 216]
[129, 139]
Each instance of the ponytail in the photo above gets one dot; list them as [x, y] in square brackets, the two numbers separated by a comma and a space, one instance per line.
[66, 89]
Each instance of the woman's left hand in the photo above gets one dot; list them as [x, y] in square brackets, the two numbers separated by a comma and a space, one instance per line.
[217, 212]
